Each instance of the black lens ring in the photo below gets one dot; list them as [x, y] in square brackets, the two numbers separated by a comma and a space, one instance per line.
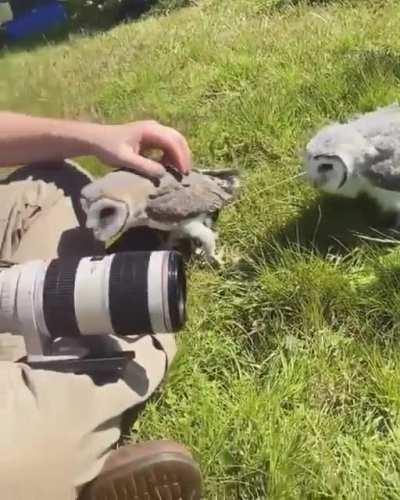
[176, 290]
[128, 289]
[58, 298]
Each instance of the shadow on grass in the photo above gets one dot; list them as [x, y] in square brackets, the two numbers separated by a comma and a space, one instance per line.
[333, 225]
[330, 226]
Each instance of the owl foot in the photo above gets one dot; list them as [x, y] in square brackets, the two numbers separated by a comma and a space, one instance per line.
[205, 238]
[217, 260]
[214, 259]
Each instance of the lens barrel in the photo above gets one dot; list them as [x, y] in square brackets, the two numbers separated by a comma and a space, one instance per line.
[125, 293]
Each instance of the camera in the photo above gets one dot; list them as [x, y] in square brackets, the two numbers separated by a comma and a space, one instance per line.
[123, 294]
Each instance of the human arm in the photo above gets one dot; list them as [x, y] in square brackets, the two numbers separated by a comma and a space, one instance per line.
[27, 139]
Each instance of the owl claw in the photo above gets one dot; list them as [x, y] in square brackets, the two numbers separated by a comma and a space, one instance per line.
[216, 259]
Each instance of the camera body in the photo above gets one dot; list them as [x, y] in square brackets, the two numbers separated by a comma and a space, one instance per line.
[124, 293]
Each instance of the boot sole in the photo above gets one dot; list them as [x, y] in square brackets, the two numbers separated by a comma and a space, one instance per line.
[171, 476]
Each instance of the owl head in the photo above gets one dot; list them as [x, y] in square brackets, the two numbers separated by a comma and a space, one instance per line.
[333, 157]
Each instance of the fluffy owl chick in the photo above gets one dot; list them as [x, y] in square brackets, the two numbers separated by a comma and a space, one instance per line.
[183, 206]
[360, 156]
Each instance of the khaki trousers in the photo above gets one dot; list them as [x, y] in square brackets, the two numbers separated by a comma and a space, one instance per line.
[56, 430]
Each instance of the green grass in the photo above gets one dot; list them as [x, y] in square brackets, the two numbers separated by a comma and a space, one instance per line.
[287, 382]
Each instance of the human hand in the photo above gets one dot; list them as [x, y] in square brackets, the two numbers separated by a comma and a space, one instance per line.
[123, 146]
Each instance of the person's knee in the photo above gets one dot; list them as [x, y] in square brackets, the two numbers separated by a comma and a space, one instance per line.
[166, 342]
[37, 467]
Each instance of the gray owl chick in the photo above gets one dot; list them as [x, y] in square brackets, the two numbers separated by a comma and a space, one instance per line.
[361, 156]
[183, 206]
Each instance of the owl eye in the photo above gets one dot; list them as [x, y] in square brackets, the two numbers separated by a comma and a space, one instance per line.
[107, 212]
[325, 168]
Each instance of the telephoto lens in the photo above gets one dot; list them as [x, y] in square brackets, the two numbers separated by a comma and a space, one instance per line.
[123, 293]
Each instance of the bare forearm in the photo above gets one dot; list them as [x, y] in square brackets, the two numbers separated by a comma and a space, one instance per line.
[27, 139]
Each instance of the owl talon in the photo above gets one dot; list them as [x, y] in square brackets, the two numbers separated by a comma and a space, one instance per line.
[216, 260]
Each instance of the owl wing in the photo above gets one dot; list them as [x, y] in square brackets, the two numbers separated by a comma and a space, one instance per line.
[384, 174]
[194, 196]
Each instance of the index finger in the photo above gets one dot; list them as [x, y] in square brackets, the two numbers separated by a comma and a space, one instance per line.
[172, 143]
